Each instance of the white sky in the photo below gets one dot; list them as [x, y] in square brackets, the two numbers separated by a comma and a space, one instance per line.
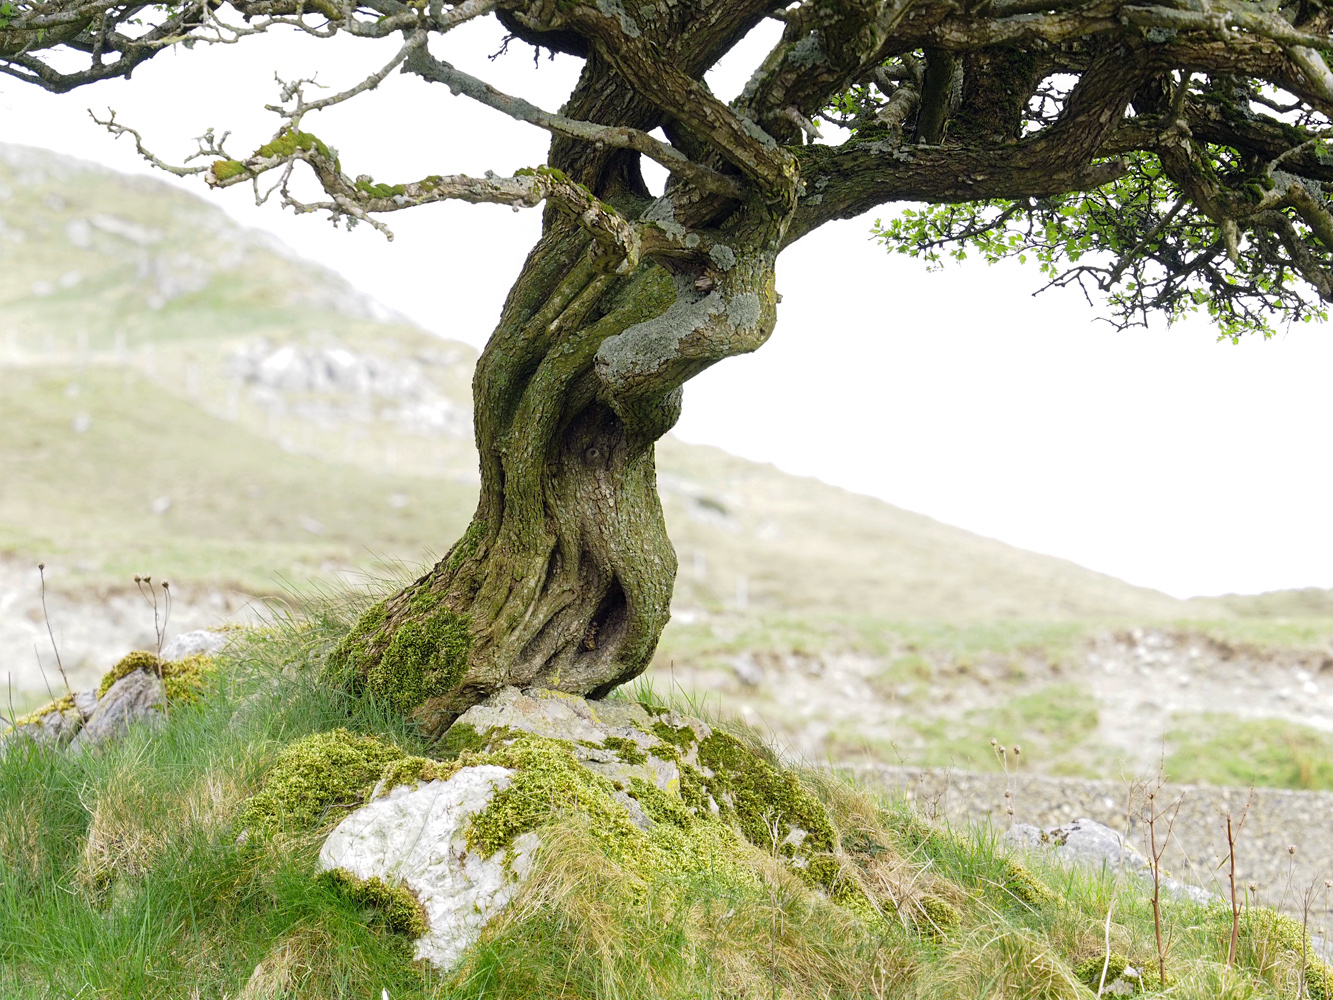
[1161, 456]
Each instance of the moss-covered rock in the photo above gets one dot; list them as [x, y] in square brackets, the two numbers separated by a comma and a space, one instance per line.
[317, 779]
[62, 704]
[184, 680]
[1102, 970]
[1277, 947]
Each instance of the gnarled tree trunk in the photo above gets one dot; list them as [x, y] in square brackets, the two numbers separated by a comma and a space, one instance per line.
[564, 577]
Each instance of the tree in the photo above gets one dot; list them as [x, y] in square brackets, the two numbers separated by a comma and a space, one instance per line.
[1165, 156]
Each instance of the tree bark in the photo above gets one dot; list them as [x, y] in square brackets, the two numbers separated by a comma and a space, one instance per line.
[564, 577]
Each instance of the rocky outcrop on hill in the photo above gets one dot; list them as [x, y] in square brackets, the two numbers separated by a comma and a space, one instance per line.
[451, 840]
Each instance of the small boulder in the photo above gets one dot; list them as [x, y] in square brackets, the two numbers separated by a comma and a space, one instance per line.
[192, 643]
[135, 698]
[54, 728]
[417, 837]
[86, 703]
[1095, 845]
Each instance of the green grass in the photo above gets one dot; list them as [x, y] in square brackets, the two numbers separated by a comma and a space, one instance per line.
[1048, 725]
[122, 877]
[239, 518]
[1270, 753]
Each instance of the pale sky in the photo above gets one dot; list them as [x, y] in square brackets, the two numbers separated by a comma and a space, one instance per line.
[1160, 456]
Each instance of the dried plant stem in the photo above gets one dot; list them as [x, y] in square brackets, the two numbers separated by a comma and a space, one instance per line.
[1106, 962]
[1158, 850]
[41, 572]
[1232, 834]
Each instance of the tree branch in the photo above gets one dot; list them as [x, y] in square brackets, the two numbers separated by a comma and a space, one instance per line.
[425, 65]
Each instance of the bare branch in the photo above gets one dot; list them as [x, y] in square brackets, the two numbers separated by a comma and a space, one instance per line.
[428, 67]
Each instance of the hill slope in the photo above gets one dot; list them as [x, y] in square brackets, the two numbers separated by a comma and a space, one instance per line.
[145, 306]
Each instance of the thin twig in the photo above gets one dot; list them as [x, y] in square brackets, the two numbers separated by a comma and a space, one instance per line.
[41, 570]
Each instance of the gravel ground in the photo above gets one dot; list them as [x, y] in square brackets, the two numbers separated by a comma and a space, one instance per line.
[1277, 820]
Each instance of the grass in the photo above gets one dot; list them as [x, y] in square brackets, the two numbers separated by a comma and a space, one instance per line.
[1217, 749]
[1048, 723]
[86, 502]
[122, 878]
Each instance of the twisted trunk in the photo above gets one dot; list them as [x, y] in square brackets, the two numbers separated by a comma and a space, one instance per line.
[564, 577]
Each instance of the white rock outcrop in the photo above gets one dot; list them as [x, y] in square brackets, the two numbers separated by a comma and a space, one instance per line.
[417, 837]
[1091, 844]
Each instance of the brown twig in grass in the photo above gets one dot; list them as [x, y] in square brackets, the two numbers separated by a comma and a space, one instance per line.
[1157, 851]
[1232, 834]
[41, 572]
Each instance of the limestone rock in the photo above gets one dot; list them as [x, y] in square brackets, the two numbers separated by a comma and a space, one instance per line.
[190, 643]
[52, 729]
[86, 703]
[418, 837]
[135, 698]
[537, 752]
[556, 715]
[1091, 844]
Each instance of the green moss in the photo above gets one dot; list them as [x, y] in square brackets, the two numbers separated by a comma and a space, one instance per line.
[398, 906]
[459, 737]
[380, 190]
[626, 749]
[763, 799]
[548, 777]
[138, 660]
[425, 656]
[1022, 883]
[1270, 940]
[940, 915]
[288, 143]
[1089, 971]
[62, 704]
[412, 771]
[183, 680]
[549, 781]
[316, 777]
[224, 170]
[682, 737]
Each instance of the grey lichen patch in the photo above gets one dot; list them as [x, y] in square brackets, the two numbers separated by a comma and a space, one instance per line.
[316, 778]
[692, 240]
[723, 256]
[808, 51]
[645, 347]
[743, 310]
[758, 134]
[613, 8]
[662, 214]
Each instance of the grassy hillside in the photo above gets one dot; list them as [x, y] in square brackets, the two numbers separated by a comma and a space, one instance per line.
[124, 878]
